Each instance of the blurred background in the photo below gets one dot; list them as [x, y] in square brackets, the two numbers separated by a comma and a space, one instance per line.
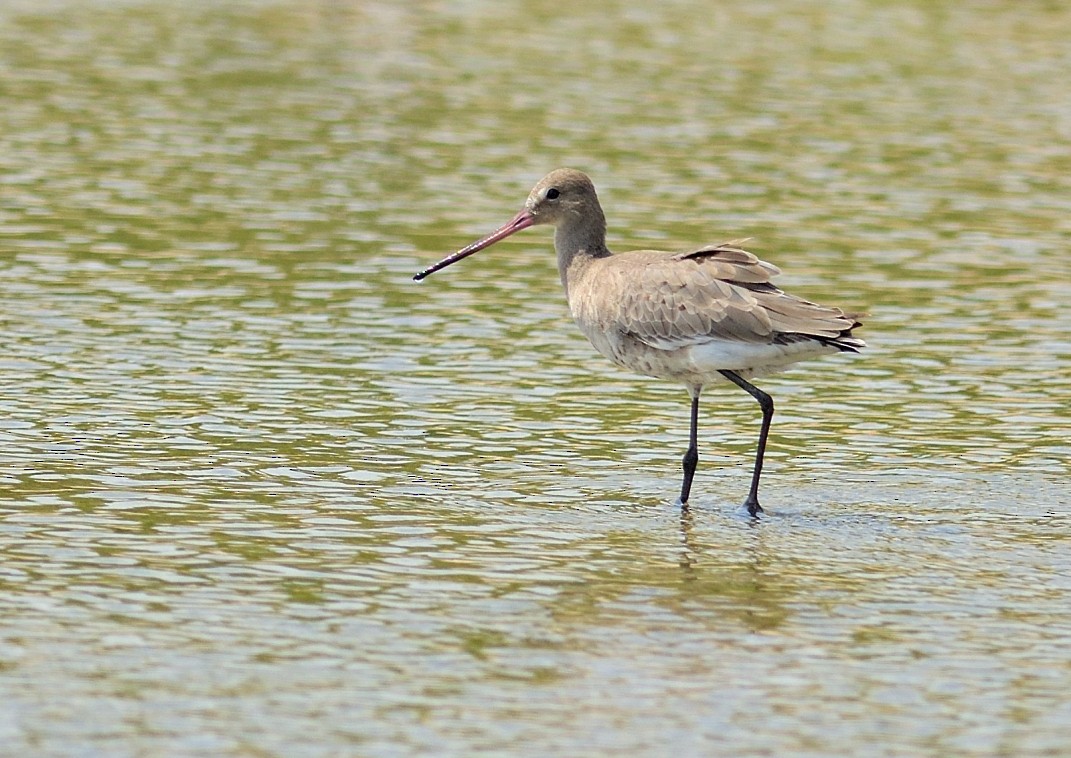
[262, 494]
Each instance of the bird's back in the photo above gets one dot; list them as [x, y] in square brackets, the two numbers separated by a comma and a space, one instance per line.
[688, 315]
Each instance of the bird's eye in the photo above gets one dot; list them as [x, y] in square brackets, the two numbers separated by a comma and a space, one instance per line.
[552, 194]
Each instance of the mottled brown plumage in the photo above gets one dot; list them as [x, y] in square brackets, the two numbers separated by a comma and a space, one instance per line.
[701, 316]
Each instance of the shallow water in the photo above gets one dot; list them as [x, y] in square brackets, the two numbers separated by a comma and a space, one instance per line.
[265, 495]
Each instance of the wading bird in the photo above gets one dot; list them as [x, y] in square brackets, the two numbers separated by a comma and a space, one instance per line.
[697, 317]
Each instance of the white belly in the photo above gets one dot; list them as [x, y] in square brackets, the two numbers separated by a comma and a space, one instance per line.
[700, 363]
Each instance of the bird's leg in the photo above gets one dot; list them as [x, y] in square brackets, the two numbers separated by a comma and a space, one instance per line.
[766, 403]
[691, 456]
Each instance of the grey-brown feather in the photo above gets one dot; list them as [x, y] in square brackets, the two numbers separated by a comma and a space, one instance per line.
[718, 292]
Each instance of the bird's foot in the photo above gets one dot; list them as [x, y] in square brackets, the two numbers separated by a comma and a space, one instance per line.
[753, 507]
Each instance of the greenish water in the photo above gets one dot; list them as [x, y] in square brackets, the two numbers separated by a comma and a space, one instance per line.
[262, 494]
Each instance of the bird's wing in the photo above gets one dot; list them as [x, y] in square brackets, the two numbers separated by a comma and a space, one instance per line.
[719, 292]
[730, 262]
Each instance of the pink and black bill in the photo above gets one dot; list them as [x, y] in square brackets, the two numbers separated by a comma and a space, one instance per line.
[522, 220]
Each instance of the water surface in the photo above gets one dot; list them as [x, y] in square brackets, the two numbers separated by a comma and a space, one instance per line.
[265, 495]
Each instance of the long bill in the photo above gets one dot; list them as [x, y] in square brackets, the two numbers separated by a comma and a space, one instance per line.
[522, 220]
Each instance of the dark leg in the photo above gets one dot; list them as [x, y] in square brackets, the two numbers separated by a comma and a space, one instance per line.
[691, 457]
[766, 403]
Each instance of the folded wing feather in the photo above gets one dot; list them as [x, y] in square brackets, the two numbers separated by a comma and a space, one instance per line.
[719, 292]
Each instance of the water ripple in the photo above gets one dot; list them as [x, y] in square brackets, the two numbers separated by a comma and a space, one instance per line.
[259, 485]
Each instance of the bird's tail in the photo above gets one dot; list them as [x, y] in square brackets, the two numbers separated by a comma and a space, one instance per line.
[844, 341]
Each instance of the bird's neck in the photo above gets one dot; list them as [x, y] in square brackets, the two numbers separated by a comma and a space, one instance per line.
[578, 245]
